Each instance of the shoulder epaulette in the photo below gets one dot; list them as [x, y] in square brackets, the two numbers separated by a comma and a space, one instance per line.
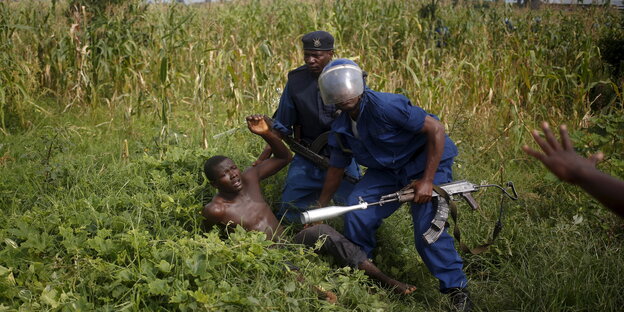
[297, 70]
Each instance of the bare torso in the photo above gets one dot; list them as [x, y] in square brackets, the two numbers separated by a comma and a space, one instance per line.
[247, 208]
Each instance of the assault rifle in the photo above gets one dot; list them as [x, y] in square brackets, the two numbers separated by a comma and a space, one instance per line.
[445, 196]
[462, 188]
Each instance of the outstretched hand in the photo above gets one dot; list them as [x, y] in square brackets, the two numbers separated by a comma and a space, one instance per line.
[258, 124]
[560, 158]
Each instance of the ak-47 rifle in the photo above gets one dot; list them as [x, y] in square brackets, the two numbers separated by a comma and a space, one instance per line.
[404, 195]
[462, 188]
[445, 194]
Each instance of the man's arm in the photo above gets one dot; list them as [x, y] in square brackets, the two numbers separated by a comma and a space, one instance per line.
[331, 185]
[266, 153]
[281, 154]
[212, 214]
[567, 165]
[423, 187]
[338, 161]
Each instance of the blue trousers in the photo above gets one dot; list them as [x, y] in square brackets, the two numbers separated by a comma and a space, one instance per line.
[361, 226]
[303, 186]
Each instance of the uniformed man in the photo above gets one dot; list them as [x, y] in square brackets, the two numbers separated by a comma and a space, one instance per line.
[400, 144]
[301, 112]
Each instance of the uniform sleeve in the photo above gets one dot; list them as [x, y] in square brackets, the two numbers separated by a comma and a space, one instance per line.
[286, 115]
[401, 112]
[337, 158]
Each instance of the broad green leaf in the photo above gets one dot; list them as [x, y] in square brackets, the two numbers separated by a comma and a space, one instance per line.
[158, 287]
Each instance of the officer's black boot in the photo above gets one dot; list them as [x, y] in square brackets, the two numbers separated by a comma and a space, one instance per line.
[460, 300]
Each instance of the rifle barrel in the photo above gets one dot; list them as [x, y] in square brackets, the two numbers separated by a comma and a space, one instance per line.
[328, 212]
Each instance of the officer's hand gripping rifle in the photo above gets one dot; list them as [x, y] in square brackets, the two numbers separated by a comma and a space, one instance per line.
[462, 188]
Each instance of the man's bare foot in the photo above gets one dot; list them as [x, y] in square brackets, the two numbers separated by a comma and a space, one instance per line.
[402, 288]
[325, 294]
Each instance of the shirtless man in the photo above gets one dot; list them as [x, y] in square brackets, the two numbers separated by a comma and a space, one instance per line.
[239, 201]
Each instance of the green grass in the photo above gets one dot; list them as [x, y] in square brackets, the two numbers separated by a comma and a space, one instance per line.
[85, 227]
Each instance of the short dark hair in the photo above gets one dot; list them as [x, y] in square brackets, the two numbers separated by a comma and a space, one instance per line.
[210, 164]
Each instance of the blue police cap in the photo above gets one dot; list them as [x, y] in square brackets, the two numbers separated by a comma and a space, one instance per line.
[318, 40]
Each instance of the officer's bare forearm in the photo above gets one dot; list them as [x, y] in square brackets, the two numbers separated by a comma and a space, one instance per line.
[435, 147]
[332, 182]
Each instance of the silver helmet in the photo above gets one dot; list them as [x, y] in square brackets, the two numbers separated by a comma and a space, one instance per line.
[341, 80]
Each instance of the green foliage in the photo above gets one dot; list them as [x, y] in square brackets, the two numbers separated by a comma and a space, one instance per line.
[96, 6]
[611, 46]
[606, 134]
[100, 233]
[106, 118]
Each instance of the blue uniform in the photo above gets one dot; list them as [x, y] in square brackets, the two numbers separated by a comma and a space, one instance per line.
[390, 146]
[301, 105]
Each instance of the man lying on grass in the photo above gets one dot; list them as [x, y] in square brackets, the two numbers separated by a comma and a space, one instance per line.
[239, 201]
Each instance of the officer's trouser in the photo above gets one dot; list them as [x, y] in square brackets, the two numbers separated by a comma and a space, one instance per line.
[361, 226]
[303, 186]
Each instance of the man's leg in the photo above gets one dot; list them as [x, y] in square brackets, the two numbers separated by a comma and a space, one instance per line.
[335, 244]
[441, 257]
[347, 253]
[373, 271]
[361, 225]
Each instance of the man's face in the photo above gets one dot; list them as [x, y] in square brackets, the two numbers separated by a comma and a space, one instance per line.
[316, 60]
[227, 177]
[349, 105]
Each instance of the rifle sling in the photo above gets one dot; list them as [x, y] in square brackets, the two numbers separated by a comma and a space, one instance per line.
[319, 143]
[456, 232]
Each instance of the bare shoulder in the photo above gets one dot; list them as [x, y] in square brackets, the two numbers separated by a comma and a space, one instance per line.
[250, 173]
[214, 210]
[250, 176]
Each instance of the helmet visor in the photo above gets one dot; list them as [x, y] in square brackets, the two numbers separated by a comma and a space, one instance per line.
[340, 83]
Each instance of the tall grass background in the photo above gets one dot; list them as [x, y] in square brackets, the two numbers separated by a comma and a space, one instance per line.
[107, 112]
